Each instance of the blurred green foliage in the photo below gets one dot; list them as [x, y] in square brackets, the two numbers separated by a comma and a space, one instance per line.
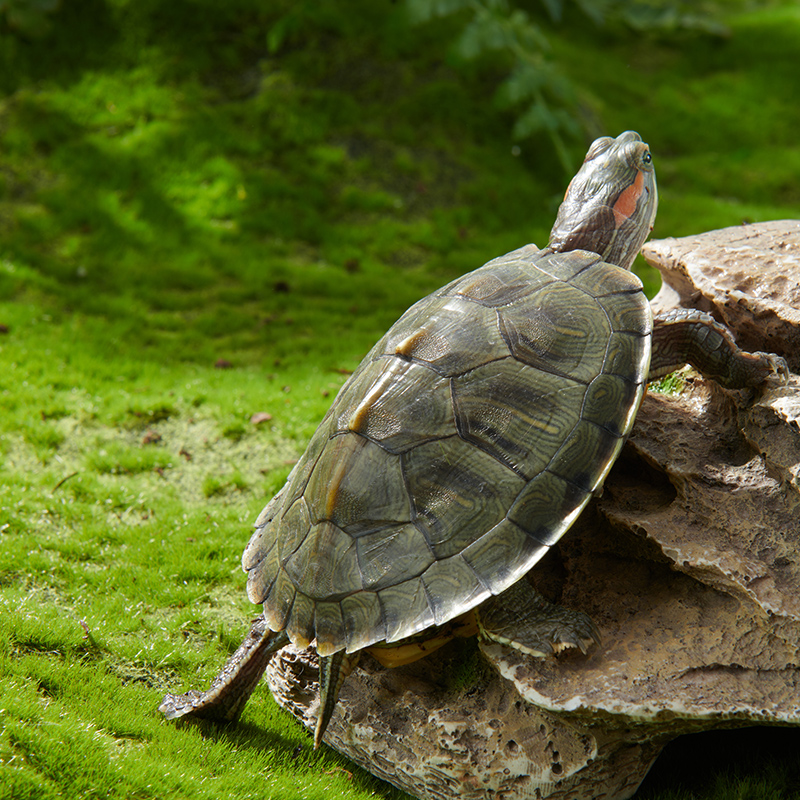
[28, 17]
[515, 35]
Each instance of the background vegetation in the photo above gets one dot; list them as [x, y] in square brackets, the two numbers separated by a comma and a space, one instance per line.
[211, 210]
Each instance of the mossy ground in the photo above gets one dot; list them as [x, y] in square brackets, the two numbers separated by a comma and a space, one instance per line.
[194, 229]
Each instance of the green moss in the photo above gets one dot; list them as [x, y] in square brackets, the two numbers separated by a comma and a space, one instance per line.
[143, 416]
[216, 486]
[235, 431]
[673, 383]
[44, 437]
[117, 458]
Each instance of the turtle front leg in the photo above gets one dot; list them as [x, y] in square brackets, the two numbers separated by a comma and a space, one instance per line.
[224, 700]
[521, 618]
[687, 336]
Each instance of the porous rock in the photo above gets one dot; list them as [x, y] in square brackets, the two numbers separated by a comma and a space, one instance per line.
[689, 563]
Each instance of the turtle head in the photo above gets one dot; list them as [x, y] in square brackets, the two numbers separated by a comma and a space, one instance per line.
[610, 205]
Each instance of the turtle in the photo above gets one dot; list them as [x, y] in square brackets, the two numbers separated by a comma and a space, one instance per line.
[465, 445]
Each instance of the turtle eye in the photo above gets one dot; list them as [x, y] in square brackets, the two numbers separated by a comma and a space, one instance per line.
[639, 157]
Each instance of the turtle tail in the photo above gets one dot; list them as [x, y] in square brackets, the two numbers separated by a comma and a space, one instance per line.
[332, 672]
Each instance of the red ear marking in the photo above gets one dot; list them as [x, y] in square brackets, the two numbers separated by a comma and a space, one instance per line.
[626, 202]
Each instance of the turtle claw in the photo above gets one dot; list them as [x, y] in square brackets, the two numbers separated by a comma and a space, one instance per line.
[778, 367]
[174, 706]
[574, 629]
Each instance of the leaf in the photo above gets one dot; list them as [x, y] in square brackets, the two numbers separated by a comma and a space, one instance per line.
[528, 35]
[425, 10]
[554, 9]
[537, 117]
[667, 15]
[523, 83]
[596, 10]
[277, 33]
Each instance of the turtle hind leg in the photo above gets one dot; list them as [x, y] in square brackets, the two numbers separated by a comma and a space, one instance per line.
[332, 672]
[224, 700]
[521, 618]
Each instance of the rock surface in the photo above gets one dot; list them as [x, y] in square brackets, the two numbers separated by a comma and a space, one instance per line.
[689, 564]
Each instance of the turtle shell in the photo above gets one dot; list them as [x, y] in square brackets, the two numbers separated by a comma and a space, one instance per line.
[464, 445]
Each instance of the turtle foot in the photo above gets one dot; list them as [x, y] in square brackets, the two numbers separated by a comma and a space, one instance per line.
[778, 369]
[224, 700]
[521, 618]
[562, 629]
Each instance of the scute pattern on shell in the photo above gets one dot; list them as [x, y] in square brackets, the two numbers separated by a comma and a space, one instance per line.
[466, 443]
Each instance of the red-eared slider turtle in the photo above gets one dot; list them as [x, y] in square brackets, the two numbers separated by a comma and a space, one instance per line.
[468, 441]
